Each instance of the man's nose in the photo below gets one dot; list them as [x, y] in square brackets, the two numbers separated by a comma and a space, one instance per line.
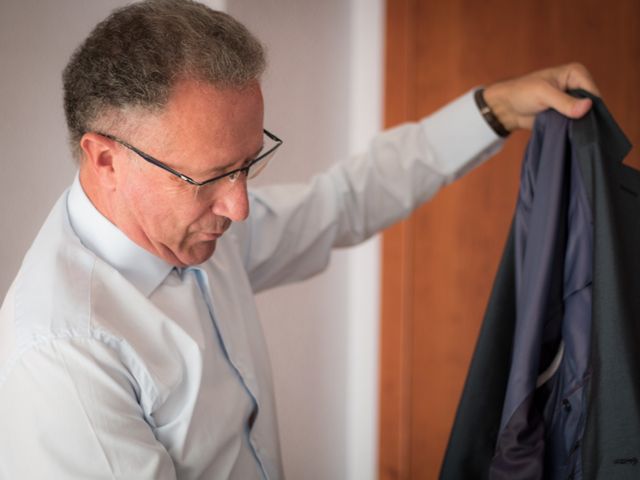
[233, 203]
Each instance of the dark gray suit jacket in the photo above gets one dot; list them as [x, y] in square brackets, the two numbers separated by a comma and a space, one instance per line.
[569, 282]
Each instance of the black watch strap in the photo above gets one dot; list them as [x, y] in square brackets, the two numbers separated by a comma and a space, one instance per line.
[488, 114]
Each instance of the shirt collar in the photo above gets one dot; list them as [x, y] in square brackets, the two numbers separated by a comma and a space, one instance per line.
[140, 267]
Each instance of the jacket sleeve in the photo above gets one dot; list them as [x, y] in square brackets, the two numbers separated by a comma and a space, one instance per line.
[292, 229]
[72, 413]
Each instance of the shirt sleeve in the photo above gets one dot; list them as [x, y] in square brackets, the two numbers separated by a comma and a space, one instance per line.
[69, 410]
[292, 229]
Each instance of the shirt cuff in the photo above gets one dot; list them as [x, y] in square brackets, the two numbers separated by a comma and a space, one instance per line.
[460, 137]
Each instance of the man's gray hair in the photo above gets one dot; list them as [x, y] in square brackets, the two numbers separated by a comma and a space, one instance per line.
[135, 56]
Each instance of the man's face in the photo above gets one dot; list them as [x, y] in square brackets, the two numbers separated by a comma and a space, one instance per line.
[203, 132]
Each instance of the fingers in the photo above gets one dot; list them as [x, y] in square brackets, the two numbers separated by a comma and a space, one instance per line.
[569, 77]
[517, 102]
[552, 97]
[577, 76]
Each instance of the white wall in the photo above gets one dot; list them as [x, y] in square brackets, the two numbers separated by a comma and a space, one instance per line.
[323, 97]
[36, 39]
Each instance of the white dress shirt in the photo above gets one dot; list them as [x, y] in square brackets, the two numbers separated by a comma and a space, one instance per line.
[114, 364]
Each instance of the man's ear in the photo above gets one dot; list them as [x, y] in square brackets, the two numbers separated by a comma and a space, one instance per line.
[99, 155]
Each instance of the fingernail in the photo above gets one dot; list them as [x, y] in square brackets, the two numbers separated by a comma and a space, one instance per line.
[581, 107]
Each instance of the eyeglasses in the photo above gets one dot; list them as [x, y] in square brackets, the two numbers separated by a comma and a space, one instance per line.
[253, 168]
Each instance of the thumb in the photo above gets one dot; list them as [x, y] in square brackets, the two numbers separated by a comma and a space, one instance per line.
[580, 107]
[564, 103]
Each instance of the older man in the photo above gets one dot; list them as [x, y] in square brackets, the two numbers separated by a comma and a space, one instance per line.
[128, 349]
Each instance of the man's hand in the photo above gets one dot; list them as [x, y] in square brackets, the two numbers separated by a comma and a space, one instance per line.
[516, 102]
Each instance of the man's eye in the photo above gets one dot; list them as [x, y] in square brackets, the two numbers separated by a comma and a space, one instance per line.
[234, 175]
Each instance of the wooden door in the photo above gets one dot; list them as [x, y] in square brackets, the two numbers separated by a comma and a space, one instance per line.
[438, 266]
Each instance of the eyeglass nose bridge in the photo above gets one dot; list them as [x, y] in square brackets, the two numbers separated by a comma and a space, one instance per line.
[182, 176]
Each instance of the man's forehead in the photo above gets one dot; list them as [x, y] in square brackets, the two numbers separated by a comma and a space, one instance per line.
[216, 111]
[189, 91]
[204, 128]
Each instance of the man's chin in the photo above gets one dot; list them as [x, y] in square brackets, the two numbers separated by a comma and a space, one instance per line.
[198, 253]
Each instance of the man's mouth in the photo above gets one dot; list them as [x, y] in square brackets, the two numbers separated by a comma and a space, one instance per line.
[211, 235]
[217, 232]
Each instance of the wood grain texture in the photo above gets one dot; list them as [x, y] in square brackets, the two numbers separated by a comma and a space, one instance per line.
[439, 265]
